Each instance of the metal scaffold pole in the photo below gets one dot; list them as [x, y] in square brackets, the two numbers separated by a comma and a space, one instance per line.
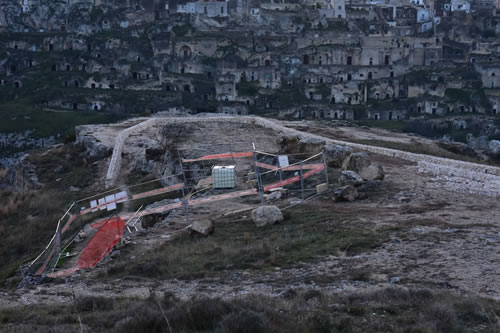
[301, 182]
[279, 168]
[326, 167]
[258, 178]
[57, 245]
[231, 152]
[184, 203]
[182, 168]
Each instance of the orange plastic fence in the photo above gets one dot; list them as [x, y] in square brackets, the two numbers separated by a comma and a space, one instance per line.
[102, 243]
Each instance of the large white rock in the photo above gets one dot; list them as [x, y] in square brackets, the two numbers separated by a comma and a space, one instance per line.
[265, 215]
[204, 227]
[494, 148]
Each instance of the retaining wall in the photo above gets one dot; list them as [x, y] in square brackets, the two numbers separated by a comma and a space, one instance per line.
[116, 158]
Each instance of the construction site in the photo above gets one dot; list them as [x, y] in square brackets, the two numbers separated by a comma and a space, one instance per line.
[188, 213]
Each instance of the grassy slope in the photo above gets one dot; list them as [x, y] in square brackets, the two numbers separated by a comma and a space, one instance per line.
[19, 117]
[28, 218]
[305, 235]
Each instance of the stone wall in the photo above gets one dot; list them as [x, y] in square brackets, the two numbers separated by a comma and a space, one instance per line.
[116, 158]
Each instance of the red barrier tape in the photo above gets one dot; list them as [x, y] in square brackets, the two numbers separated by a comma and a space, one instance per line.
[293, 179]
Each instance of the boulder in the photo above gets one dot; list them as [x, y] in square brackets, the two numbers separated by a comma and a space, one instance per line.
[321, 188]
[265, 215]
[276, 195]
[349, 177]
[311, 145]
[288, 143]
[335, 155]
[494, 148]
[81, 236]
[204, 227]
[363, 166]
[346, 193]
[370, 186]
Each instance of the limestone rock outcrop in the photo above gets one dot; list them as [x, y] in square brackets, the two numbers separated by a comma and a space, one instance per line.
[335, 155]
[265, 215]
[203, 227]
[94, 149]
[20, 176]
[363, 166]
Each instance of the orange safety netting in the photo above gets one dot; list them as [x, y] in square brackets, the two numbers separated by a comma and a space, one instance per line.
[102, 243]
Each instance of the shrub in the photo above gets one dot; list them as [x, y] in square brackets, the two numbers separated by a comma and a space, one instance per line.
[142, 318]
[443, 317]
[93, 303]
[199, 314]
[360, 274]
[244, 321]
[321, 322]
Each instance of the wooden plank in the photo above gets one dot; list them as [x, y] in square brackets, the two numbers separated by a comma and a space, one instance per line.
[288, 168]
[219, 197]
[64, 272]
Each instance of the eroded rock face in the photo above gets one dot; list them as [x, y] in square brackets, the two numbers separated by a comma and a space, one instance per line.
[311, 145]
[292, 144]
[94, 149]
[363, 166]
[203, 227]
[288, 143]
[335, 155]
[265, 215]
[21, 176]
[346, 193]
[494, 148]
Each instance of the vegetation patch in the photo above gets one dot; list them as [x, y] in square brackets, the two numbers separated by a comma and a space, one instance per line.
[383, 310]
[306, 234]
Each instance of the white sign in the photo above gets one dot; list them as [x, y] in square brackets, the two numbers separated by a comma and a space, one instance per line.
[283, 160]
[110, 201]
[102, 204]
[121, 196]
[93, 205]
